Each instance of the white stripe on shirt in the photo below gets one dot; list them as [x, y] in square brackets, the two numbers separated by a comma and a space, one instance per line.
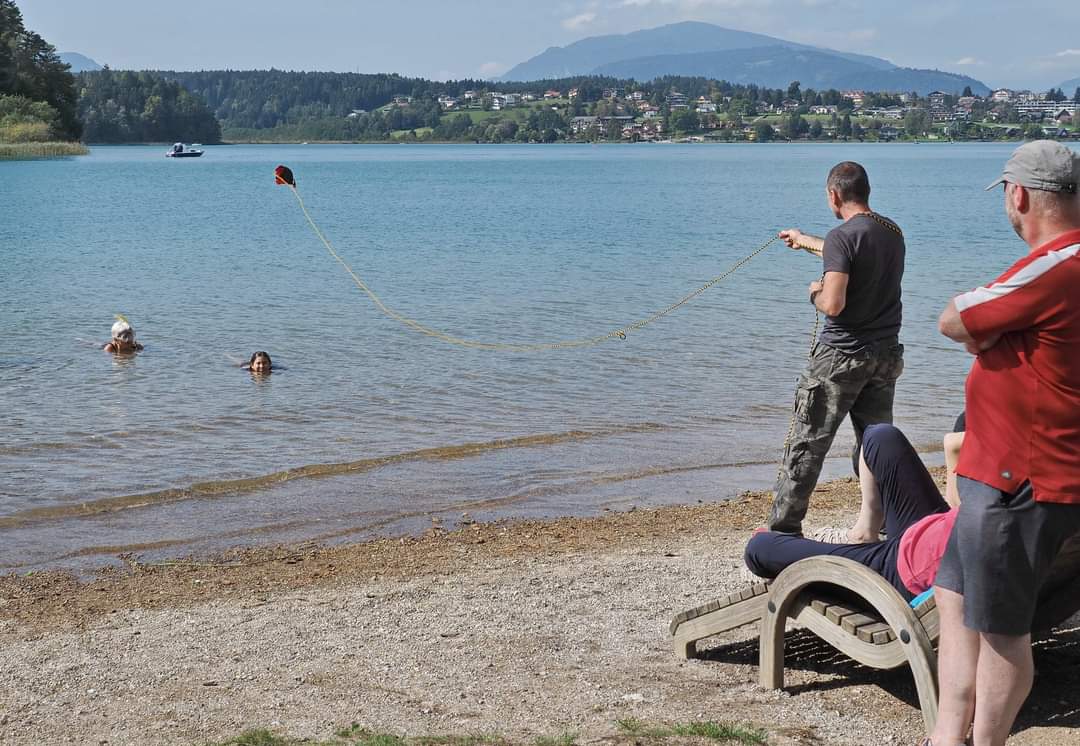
[1023, 277]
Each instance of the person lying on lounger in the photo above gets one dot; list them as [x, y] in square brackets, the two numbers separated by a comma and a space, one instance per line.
[899, 497]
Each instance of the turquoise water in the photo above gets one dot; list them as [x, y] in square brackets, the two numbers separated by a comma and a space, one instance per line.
[210, 261]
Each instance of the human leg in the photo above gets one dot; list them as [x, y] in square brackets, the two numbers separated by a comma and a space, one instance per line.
[769, 553]
[1002, 683]
[874, 403]
[897, 489]
[997, 557]
[958, 659]
[871, 516]
[908, 492]
[821, 403]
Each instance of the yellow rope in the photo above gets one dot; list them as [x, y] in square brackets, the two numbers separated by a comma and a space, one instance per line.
[511, 347]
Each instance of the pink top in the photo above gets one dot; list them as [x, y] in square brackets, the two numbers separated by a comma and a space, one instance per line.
[921, 548]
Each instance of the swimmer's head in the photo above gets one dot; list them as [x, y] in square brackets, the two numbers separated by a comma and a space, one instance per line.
[123, 337]
[260, 362]
[123, 331]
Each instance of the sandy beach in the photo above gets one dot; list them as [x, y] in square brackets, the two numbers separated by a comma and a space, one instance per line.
[517, 630]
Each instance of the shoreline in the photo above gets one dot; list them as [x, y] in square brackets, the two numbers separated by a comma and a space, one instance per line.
[225, 143]
[516, 629]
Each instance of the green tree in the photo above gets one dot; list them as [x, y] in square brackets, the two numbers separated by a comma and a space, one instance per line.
[916, 122]
[793, 91]
[845, 126]
[794, 126]
[764, 132]
[123, 106]
[816, 130]
[30, 67]
[684, 120]
[1076, 96]
[967, 91]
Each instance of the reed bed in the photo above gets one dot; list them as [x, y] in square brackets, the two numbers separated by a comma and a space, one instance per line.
[25, 151]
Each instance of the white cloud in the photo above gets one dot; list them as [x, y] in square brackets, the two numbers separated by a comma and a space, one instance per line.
[1068, 53]
[969, 61]
[573, 23]
[492, 69]
[694, 4]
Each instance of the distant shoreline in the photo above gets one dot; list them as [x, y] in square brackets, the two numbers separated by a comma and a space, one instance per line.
[607, 142]
[680, 141]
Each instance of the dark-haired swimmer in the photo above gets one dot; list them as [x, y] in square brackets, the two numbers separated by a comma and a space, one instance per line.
[123, 339]
[260, 363]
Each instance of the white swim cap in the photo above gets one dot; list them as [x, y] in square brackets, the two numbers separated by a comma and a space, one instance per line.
[122, 326]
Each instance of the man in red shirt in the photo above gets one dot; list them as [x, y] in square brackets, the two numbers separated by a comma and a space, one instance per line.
[1019, 471]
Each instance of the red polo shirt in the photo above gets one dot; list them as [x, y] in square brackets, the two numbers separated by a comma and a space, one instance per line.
[1023, 394]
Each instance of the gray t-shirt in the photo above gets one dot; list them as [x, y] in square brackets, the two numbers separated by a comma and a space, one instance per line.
[872, 255]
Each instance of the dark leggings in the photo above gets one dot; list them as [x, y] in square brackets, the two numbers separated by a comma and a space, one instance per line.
[908, 494]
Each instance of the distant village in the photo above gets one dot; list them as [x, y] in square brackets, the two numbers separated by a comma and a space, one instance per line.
[660, 113]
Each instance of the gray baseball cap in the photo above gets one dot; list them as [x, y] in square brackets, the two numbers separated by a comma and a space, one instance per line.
[1042, 164]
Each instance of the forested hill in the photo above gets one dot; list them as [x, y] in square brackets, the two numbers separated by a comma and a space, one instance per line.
[263, 99]
[125, 107]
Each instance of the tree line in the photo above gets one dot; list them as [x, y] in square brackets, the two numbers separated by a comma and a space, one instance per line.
[127, 107]
[37, 93]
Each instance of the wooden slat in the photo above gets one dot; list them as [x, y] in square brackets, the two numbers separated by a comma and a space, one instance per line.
[867, 631]
[731, 599]
[837, 613]
[744, 606]
[852, 623]
[926, 607]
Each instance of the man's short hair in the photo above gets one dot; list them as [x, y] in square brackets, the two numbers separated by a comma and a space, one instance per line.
[849, 180]
[1061, 205]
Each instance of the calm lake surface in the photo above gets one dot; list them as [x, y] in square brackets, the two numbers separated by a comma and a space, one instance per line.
[373, 428]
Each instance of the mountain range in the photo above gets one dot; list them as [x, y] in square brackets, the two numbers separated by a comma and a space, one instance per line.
[703, 49]
[79, 63]
[1069, 86]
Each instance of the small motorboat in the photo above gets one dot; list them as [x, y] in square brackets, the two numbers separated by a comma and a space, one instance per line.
[179, 151]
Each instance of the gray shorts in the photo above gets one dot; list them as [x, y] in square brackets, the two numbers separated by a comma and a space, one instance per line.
[999, 552]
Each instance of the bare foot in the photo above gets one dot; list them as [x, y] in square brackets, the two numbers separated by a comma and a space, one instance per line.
[860, 535]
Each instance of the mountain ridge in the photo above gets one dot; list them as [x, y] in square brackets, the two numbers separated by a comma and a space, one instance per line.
[777, 66]
[582, 57]
[79, 62]
[693, 48]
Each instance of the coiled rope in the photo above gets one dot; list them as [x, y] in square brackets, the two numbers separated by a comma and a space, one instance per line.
[620, 333]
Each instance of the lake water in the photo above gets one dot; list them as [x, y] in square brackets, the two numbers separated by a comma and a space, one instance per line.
[373, 428]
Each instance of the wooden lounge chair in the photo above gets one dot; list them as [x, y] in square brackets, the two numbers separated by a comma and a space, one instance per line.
[844, 603]
[857, 612]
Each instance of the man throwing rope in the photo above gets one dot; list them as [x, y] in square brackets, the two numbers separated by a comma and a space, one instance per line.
[854, 365]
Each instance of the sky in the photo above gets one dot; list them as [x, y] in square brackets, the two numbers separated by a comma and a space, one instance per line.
[1031, 44]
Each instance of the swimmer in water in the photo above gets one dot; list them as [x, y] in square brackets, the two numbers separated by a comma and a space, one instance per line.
[123, 338]
[260, 363]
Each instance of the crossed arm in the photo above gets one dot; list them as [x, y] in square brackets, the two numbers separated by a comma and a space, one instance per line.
[952, 326]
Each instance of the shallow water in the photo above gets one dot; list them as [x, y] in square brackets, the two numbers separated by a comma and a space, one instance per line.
[375, 428]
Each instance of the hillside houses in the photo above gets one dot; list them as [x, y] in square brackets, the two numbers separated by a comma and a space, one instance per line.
[600, 110]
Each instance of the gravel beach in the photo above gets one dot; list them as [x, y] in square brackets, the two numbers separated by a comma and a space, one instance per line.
[519, 629]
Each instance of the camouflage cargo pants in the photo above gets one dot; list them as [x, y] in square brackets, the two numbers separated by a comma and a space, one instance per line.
[834, 385]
